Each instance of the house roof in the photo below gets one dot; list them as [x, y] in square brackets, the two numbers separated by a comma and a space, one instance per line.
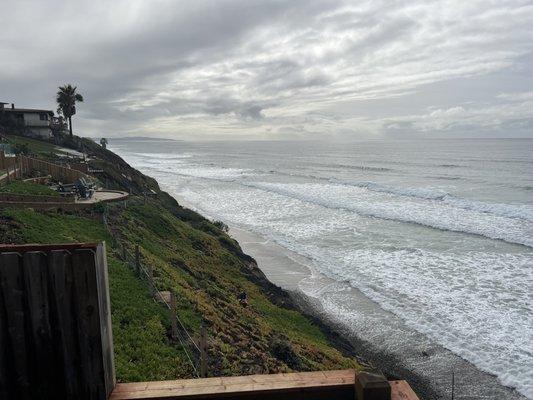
[28, 110]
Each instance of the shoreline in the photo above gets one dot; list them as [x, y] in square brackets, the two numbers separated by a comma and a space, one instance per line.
[273, 260]
[284, 270]
[426, 365]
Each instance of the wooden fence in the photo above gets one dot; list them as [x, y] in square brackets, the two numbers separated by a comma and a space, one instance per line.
[20, 165]
[57, 172]
[55, 323]
[6, 162]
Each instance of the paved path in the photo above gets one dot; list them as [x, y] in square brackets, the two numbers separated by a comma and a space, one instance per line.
[104, 195]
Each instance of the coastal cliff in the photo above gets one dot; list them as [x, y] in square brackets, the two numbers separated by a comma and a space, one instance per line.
[206, 270]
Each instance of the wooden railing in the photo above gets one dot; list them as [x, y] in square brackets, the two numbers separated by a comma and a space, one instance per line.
[338, 385]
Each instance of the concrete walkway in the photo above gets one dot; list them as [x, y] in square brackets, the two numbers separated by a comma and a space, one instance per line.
[104, 195]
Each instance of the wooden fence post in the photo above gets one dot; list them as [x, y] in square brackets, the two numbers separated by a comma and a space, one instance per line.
[173, 317]
[203, 352]
[137, 260]
[18, 174]
[371, 386]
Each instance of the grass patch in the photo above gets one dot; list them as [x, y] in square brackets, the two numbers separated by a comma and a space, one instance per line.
[21, 187]
[199, 265]
[52, 227]
[34, 146]
[142, 350]
[140, 326]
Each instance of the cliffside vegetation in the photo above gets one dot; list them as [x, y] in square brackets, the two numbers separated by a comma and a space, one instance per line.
[206, 270]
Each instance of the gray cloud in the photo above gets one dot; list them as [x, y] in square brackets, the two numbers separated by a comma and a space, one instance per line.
[276, 68]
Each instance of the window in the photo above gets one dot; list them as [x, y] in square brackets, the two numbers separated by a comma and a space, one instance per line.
[43, 116]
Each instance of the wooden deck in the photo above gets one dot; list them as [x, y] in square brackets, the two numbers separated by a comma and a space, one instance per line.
[303, 385]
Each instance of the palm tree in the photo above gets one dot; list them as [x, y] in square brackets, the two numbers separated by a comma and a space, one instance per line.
[66, 99]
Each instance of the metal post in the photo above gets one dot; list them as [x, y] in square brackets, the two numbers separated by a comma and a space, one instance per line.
[173, 316]
[203, 352]
[453, 384]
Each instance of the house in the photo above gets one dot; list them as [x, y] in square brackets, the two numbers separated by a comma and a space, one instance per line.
[36, 122]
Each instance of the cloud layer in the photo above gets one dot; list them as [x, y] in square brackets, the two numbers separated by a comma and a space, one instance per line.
[279, 69]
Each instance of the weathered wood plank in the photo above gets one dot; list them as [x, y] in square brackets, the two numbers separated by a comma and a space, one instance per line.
[301, 385]
[6, 376]
[63, 320]
[88, 324]
[104, 304]
[315, 385]
[23, 248]
[12, 285]
[402, 391]
[40, 349]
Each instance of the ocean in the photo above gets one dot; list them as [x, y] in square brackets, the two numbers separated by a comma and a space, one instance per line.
[436, 234]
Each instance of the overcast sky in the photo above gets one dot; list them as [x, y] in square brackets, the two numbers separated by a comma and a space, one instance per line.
[276, 69]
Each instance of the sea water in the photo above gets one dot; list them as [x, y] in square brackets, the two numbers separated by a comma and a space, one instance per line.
[437, 232]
